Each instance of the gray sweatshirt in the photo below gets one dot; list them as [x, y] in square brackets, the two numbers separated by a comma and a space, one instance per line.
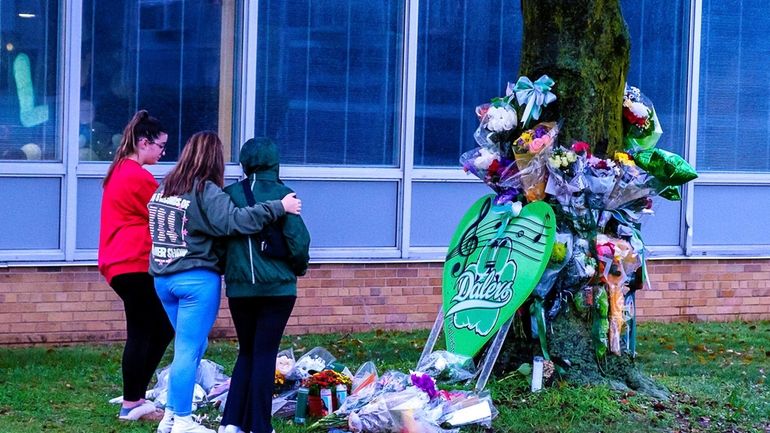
[183, 228]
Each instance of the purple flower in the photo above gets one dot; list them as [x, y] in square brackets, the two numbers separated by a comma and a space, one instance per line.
[425, 383]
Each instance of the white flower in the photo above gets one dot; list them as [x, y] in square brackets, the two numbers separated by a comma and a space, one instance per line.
[554, 162]
[639, 110]
[284, 364]
[500, 119]
[485, 158]
[571, 156]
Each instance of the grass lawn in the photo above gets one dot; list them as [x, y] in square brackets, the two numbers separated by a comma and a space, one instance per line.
[716, 372]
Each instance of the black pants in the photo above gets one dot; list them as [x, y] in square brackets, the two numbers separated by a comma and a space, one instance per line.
[259, 323]
[148, 331]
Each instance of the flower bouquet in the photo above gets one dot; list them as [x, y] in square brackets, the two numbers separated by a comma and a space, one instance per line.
[498, 172]
[566, 176]
[497, 122]
[311, 362]
[632, 185]
[530, 151]
[641, 128]
[325, 379]
[600, 180]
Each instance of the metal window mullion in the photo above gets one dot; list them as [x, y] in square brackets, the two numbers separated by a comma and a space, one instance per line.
[691, 133]
[408, 85]
[247, 103]
[69, 120]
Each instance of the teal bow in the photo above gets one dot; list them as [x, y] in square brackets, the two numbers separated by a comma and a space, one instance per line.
[534, 95]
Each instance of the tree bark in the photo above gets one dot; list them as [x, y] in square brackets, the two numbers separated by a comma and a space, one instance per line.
[585, 47]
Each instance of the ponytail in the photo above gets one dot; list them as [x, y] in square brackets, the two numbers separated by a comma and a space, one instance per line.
[142, 125]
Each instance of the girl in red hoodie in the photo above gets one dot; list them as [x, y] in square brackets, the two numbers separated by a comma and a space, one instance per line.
[124, 250]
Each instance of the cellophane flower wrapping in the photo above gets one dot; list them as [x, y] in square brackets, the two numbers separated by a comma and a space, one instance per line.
[284, 361]
[447, 367]
[560, 256]
[377, 415]
[531, 151]
[631, 184]
[641, 127]
[600, 180]
[311, 362]
[566, 175]
[471, 408]
[495, 170]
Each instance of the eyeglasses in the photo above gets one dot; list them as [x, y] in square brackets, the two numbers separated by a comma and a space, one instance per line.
[162, 146]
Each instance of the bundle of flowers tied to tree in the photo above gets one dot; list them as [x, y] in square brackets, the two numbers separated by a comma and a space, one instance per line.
[598, 200]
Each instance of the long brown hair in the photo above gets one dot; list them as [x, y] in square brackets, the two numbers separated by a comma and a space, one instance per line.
[142, 125]
[202, 159]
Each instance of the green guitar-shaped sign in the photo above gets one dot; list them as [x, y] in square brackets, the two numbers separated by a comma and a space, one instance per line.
[495, 260]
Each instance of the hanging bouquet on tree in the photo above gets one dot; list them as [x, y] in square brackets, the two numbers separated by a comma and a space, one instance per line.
[641, 127]
[509, 156]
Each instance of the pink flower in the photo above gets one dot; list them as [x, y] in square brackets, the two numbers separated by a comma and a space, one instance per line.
[538, 144]
[605, 250]
[481, 110]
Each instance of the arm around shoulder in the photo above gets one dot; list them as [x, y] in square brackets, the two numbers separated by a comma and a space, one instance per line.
[225, 219]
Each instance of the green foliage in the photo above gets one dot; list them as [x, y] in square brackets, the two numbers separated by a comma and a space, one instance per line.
[717, 373]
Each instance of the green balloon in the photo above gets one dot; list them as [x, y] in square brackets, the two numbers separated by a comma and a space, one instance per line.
[668, 168]
[493, 264]
[671, 193]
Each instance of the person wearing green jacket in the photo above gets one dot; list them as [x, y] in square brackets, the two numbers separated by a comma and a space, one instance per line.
[261, 291]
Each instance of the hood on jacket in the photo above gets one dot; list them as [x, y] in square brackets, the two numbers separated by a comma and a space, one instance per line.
[260, 155]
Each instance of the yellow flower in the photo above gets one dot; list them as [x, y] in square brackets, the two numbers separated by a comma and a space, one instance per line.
[624, 159]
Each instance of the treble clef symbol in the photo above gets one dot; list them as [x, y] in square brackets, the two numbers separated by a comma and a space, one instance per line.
[469, 241]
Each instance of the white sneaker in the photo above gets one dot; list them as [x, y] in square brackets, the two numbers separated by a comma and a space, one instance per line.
[230, 429]
[166, 422]
[185, 424]
[137, 412]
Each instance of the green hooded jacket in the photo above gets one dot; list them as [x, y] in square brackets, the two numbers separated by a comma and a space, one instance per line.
[247, 272]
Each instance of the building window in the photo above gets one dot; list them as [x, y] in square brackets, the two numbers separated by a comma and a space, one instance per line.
[29, 71]
[161, 55]
[328, 80]
[734, 110]
[467, 51]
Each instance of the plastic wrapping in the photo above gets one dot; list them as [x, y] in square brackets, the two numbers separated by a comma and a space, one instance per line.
[553, 268]
[447, 367]
[641, 127]
[313, 361]
[285, 361]
[377, 415]
[565, 175]
[210, 374]
[494, 169]
[632, 184]
[473, 409]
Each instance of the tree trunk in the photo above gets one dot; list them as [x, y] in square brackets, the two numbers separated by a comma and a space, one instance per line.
[585, 47]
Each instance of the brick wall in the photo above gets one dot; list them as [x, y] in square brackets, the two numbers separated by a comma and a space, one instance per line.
[73, 304]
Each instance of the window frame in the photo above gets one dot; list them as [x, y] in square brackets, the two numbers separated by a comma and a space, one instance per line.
[405, 174]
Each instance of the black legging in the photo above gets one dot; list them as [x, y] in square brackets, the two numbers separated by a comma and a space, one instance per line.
[148, 331]
[259, 323]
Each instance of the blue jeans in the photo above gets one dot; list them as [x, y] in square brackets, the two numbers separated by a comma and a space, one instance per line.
[191, 300]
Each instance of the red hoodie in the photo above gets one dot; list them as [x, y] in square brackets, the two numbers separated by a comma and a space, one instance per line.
[124, 237]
